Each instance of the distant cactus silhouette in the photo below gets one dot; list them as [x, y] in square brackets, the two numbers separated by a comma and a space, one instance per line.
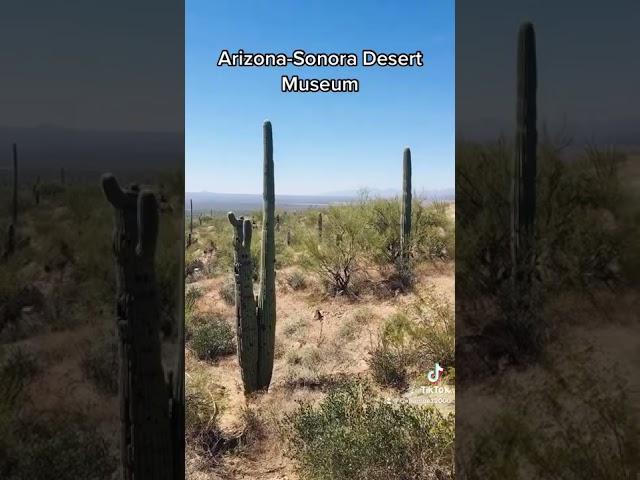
[256, 319]
[277, 223]
[191, 216]
[405, 230]
[320, 225]
[10, 243]
[288, 238]
[14, 205]
[146, 440]
[36, 191]
[524, 166]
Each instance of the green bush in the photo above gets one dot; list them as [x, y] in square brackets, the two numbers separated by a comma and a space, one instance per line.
[338, 257]
[227, 292]
[354, 435]
[434, 334]
[296, 281]
[191, 298]
[210, 336]
[388, 367]
[58, 448]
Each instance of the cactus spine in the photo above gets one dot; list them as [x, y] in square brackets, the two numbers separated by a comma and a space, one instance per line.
[524, 166]
[320, 225]
[256, 319]
[146, 442]
[405, 230]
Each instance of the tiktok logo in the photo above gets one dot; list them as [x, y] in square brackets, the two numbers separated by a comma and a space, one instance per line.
[434, 375]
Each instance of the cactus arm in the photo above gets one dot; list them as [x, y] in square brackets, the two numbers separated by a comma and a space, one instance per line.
[114, 194]
[147, 224]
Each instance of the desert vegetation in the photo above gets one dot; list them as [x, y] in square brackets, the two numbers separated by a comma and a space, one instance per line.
[59, 335]
[322, 325]
[547, 279]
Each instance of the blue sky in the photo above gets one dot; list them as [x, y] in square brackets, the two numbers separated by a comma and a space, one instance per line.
[323, 142]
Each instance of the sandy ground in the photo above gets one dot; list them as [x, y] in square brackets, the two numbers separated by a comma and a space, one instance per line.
[338, 345]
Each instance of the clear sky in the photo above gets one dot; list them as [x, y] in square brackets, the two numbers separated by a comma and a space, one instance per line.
[323, 142]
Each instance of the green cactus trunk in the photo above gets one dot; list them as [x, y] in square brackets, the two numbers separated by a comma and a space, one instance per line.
[36, 191]
[524, 166]
[288, 238]
[320, 225]
[146, 442]
[405, 230]
[267, 292]
[256, 320]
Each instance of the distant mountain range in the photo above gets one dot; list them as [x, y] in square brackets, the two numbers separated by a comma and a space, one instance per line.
[245, 203]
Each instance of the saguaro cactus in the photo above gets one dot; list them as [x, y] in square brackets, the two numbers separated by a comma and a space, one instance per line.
[288, 238]
[14, 205]
[36, 191]
[146, 441]
[320, 225]
[256, 320]
[191, 216]
[246, 314]
[524, 166]
[405, 229]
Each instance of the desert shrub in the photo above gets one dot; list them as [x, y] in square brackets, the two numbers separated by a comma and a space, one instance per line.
[567, 427]
[296, 280]
[201, 408]
[431, 230]
[191, 297]
[354, 435]
[60, 448]
[583, 218]
[398, 331]
[210, 337]
[362, 316]
[434, 334]
[295, 327]
[100, 363]
[337, 258]
[388, 367]
[389, 362]
[227, 291]
[308, 356]
[18, 365]
[348, 329]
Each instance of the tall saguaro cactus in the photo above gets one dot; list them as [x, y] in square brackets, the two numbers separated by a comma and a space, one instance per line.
[405, 229]
[146, 441]
[524, 166]
[191, 216]
[256, 320]
[320, 225]
[14, 205]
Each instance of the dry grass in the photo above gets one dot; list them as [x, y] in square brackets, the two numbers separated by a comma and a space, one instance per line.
[312, 356]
